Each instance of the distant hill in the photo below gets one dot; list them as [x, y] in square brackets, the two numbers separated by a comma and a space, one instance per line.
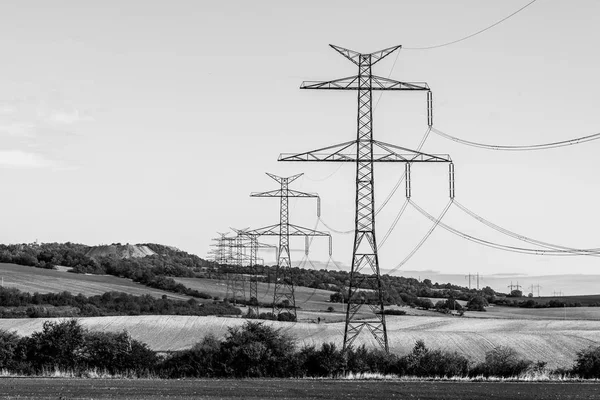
[119, 251]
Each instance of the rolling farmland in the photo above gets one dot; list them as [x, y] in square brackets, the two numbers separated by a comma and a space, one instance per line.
[554, 342]
[30, 279]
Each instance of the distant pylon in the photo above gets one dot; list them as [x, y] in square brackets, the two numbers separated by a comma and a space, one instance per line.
[283, 294]
[364, 151]
[253, 244]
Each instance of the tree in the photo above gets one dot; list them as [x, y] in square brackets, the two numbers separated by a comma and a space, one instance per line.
[60, 344]
[477, 303]
[516, 293]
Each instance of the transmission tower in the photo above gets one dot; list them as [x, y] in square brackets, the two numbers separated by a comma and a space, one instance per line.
[534, 287]
[283, 295]
[517, 286]
[471, 276]
[253, 244]
[364, 151]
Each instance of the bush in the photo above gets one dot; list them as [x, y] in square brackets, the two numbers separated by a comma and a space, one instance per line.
[328, 361]
[9, 342]
[587, 363]
[256, 350]
[60, 344]
[117, 352]
[424, 362]
[362, 360]
[502, 361]
[201, 361]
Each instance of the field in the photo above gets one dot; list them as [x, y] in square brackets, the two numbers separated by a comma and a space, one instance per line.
[311, 303]
[566, 313]
[30, 279]
[552, 341]
[40, 388]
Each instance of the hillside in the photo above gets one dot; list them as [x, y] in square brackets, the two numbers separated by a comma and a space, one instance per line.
[119, 251]
[30, 279]
[555, 342]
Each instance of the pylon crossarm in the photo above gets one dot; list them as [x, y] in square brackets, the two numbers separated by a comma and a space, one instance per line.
[338, 152]
[353, 83]
[354, 56]
[405, 155]
[380, 83]
[280, 179]
[347, 83]
[296, 230]
[280, 193]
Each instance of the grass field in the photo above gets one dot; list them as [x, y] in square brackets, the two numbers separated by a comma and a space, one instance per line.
[30, 279]
[553, 341]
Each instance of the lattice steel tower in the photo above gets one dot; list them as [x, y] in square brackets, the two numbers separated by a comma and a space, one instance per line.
[364, 151]
[284, 284]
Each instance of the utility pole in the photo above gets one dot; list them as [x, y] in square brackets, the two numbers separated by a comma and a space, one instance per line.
[283, 294]
[364, 151]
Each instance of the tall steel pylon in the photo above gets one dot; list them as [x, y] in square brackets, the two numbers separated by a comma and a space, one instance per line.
[284, 284]
[364, 151]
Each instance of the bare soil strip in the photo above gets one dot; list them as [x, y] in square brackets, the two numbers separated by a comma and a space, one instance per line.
[59, 388]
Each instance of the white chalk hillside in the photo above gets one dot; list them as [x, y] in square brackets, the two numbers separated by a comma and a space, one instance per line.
[120, 251]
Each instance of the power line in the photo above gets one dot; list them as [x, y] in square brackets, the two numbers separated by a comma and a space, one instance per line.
[542, 146]
[492, 244]
[418, 246]
[388, 233]
[473, 34]
[547, 245]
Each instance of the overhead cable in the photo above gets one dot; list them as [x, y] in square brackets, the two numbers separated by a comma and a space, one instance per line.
[473, 34]
[388, 233]
[493, 244]
[525, 238]
[542, 146]
[418, 246]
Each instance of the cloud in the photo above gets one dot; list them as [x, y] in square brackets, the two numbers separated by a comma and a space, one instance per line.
[20, 129]
[23, 159]
[68, 118]
[6, 109]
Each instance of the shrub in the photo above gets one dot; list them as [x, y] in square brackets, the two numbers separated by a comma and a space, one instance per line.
[201, 361]
[363, 360]
[424, 362]
[60, 344]
[256, 350]
[328, 361]
[502, 361]
[9, 342]
[117, 352]
[587, 363]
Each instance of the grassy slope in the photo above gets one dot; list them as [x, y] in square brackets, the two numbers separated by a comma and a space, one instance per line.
[30, 279]
[555, 342]
[312, 303]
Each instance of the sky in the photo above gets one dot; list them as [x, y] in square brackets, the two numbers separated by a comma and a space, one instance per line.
[153, 121]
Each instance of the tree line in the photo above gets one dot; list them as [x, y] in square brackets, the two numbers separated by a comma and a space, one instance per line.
[17, 304]
[254, 350]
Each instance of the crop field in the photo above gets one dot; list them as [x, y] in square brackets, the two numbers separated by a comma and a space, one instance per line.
[30, 279]
[566, 313]
[553, 341]
[291, 389]
[311, 303]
